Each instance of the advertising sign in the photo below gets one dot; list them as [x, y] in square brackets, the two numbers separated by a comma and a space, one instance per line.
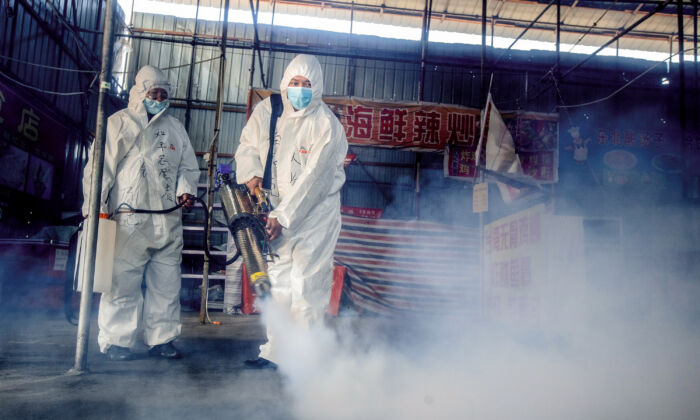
[410, 125]
[32, 144]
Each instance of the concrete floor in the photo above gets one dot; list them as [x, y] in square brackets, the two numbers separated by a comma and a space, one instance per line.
[37, 350]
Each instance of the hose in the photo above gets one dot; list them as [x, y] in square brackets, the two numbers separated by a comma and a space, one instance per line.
[69, 280]
[205, 244]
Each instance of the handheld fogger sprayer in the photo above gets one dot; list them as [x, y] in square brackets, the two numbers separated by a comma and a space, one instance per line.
[246, 218]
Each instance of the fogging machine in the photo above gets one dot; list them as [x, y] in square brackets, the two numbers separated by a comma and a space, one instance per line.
[246, 218]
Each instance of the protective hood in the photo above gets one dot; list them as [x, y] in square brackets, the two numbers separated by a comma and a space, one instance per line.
[309, 67]
[147, 78]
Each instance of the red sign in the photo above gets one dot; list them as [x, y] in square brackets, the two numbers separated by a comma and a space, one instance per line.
[367, 213]
[460, 161]
[394, 124]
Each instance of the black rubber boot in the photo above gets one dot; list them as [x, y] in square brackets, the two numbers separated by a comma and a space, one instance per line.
[166, 351]
[260, 363]
[119, 354]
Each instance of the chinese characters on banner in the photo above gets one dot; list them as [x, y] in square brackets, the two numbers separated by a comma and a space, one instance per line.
[534, 267]
[407, 125]
[635, 157]
[536, 141]
[31, 145]
[512, 267]
[454, 129]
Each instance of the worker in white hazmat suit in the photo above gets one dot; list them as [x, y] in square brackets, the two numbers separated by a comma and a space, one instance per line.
[149, 164]
[307, 173]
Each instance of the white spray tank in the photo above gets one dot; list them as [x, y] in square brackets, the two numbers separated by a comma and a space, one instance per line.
[104, 259]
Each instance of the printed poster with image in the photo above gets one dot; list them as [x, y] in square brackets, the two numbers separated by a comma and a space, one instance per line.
[615, 153]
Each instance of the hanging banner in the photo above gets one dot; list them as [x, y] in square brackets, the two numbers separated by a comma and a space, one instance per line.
[409, 125]
[536, 139]
[32, 144]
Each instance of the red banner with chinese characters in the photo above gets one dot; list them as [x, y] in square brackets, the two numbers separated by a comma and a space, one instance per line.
[411, 125]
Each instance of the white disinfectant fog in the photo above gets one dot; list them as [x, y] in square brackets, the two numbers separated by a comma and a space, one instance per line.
[606, 356]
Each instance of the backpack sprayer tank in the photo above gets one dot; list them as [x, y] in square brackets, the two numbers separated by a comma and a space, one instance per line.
[245, 219]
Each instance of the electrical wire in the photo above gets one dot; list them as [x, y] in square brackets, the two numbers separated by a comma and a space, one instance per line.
[29, 63]
[171, 209]
[50, 92]
[175, 67]
[16, 60]
[626, 84]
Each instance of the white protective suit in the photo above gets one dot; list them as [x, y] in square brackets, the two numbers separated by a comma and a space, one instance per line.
[148, 164]
[307, 174]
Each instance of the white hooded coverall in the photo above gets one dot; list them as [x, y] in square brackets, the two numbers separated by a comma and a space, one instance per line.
[307, 174]
[148, 164]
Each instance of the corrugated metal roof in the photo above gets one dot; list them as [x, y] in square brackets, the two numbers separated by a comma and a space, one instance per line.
[509, 17]
[370, 78]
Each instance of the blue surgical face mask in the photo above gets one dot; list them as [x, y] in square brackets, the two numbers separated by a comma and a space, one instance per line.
[153, 106]
[299, 97]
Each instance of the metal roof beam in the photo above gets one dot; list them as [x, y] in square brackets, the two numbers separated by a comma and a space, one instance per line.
[526, 29]
[618, 36]
[256, 42]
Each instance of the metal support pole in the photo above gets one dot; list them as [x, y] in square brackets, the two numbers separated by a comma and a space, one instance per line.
[695, 33]
[483, 50]
[269, 52]
[256, 40]
[350, 81]
[681, 80]
[556, 72]
[190, 77]
[416, 195]
[424, 46]
[695, 64]
[80, 366]
[211, 167]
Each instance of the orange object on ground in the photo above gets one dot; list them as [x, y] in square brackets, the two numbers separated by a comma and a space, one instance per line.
[333, 304]
[336, 290]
